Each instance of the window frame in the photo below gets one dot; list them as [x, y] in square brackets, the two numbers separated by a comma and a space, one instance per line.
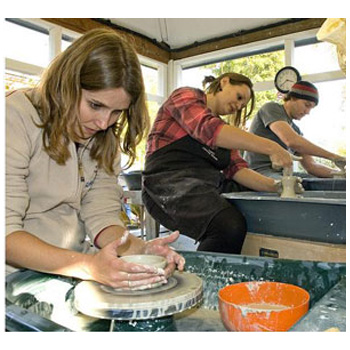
[56, 35]
[170, 75]
[288, 42]
[162, 70]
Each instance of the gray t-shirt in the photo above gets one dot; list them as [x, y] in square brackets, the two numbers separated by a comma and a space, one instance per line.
[269, 113]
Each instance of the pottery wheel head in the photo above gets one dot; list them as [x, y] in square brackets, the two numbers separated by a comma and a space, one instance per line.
[159, 287]
[183, 291]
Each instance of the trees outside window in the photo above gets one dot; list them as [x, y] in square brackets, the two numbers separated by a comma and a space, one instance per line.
[325, 125]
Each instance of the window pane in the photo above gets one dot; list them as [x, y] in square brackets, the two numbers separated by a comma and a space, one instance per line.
[16, 80]
[152, 107]
[150, 77]
[139, 164]
[316, 58]
[260, 67]
[325, 126]
[262, 97]
[65, 44]
[26, 45]
[194, 76]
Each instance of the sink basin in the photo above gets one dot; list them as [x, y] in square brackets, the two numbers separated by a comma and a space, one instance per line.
[317, 184]
[317, 216]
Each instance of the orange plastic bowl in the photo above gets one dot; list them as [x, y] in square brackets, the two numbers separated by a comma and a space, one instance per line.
[262, 306]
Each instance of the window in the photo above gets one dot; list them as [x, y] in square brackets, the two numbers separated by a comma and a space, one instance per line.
[17, 80]
[194, 76]
[66, 41]
[27, 49]
[150, 77]
[316, 58]
[25, 44]
[259, 68]
[326, 123]
[139, 163]
[262, 97]
[154, 76]
[316, 61]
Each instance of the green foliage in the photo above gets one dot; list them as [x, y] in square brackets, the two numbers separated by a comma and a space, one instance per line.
[258, 68]
[261, 67]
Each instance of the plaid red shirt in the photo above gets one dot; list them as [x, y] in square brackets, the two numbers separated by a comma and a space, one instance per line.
[184, 113]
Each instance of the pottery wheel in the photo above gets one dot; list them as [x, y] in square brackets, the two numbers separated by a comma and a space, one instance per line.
[172, 282]
[92, 300]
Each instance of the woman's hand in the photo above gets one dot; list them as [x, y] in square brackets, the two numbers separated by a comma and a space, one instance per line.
[159, 246]
[106, 268]
[280, 158]
[298, 187]
[340, 162]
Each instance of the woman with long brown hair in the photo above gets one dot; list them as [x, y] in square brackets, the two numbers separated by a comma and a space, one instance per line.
[64, 141]
[191, 154]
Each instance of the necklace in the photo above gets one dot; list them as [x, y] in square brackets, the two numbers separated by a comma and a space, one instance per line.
[80, 161]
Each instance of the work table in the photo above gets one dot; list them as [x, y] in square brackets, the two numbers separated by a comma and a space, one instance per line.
[42, 302]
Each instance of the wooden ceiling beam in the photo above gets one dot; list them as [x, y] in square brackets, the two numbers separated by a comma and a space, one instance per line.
[146, 48]
[143, 46]
[254, 36]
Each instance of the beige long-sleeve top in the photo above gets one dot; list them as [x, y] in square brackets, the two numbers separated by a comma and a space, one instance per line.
[49, 200]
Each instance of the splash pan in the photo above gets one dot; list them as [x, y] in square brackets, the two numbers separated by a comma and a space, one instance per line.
[317, 216]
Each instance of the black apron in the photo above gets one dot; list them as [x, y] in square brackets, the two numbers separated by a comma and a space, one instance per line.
[182, 183]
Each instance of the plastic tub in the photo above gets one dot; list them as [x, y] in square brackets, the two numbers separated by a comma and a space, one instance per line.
[262, 306]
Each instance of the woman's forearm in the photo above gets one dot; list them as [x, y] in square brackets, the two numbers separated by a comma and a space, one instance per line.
[134, 245]
[25, 250]
[255, 181]
[231, 137]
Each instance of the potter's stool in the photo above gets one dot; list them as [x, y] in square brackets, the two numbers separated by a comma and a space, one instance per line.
[148, 224]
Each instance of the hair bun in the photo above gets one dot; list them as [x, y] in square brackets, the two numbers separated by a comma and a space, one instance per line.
[207, 80]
